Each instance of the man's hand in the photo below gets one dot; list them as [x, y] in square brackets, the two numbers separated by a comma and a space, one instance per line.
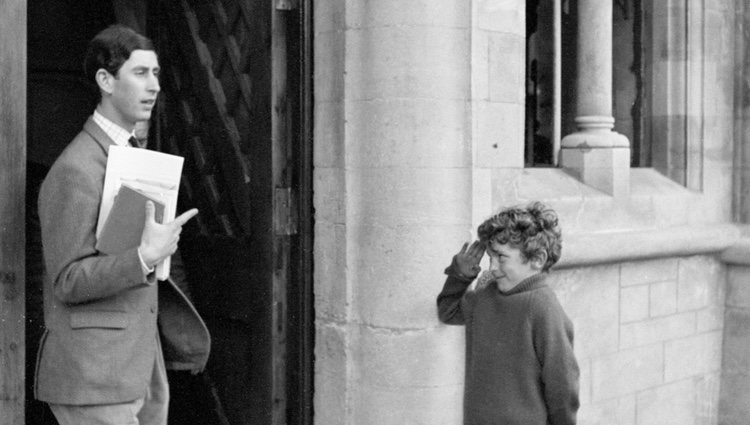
[466, 262]
[159, 241]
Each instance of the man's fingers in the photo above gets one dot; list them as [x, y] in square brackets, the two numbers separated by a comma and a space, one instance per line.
[463, 248]
[150, 211]
[184, 217]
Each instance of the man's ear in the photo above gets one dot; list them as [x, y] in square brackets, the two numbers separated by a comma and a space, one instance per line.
[104, 80]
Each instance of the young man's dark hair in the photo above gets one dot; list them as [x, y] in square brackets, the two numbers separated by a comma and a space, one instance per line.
[111, 48]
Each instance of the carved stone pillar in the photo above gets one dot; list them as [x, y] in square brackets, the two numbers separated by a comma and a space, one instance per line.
[596, 154]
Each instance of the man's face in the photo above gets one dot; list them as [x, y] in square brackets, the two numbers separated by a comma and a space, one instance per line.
[134, 89]
[509, 266]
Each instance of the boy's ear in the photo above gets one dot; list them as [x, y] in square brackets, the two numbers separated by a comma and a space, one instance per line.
[538, 261]
[104, 80]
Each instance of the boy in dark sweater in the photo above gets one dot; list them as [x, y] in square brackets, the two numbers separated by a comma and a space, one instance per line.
[520, 365]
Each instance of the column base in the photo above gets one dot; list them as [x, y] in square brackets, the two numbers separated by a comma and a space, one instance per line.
[601, 161]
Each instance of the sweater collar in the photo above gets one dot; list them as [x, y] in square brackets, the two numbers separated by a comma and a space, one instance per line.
[529, 284]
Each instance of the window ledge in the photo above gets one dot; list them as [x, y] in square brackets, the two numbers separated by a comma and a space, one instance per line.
[608, 247]
[654, 201]
[659, 218]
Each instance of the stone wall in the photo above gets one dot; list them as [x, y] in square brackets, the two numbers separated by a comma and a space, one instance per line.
[392, 183]
[735, 378]
[648, 339]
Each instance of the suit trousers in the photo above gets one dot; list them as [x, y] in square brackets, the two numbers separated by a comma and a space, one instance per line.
[151, 409]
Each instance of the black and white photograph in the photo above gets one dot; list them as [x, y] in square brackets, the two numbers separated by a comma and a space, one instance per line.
[374, 212]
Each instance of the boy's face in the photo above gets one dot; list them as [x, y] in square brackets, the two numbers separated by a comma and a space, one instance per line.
[507, 263]
[132, 93]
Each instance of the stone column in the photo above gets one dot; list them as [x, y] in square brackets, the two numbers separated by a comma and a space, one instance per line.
[596, 154]
[393, 202]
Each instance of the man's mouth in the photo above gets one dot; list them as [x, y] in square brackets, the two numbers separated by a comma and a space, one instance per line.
[149, 102]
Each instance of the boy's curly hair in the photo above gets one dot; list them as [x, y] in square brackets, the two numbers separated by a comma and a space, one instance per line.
[532, 229]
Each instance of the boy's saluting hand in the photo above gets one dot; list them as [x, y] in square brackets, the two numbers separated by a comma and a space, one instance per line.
[466, 262]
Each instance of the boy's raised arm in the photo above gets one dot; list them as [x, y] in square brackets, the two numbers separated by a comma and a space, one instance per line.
[463, 270]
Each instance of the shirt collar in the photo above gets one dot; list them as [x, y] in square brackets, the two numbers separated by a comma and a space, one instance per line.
[118, 134]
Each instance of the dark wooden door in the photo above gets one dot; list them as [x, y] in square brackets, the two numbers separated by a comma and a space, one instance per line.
[233, 108]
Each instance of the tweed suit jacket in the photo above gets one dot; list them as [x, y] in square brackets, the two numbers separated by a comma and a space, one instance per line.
[101, 315]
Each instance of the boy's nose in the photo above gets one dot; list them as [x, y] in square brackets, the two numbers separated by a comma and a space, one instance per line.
[494, 263]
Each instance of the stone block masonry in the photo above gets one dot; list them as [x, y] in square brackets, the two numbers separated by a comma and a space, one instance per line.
[648, 339]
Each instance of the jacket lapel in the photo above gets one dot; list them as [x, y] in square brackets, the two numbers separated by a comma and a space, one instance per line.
[99, 136]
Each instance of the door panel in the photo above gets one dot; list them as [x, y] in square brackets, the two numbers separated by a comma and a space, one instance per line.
[226, 111]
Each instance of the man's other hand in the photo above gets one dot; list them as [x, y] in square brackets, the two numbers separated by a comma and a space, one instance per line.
[159, 241]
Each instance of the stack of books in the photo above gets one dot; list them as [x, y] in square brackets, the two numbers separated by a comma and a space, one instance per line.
[133, 177]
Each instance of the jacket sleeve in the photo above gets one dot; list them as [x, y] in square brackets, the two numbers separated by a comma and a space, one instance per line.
[451, 304]
[553, 343]
[68, 211]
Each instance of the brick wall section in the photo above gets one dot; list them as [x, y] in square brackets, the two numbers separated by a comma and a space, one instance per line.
[648, 339]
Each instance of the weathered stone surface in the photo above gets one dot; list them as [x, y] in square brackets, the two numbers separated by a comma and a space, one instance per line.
[393, 197]
[627, 372]
[634, 303]
[650, 271]
[329, 131]
[329, 16]
[445, 13]
[331, 375]
[710, 319]
[500, 15]
[414, 133]
[619, 411]
[737, 342]
[506, 67]
[408, 62]
[412, 405]
[330, 190]
[671, 404]
[738, 287]
[733, 406]
[663, 298]
[497, 125]
[692, 356]
[394, 358]
[332, 292]
[657, 330]
[330, 62]
[590, 297]
[397, 273]
[698, 282]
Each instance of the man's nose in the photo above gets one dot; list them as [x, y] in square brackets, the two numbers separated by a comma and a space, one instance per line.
[154, 84]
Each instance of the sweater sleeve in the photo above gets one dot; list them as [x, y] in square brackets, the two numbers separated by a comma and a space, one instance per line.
[450, 303]
[553, 342]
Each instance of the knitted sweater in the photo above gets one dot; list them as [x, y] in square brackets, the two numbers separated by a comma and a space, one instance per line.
[520, 365]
